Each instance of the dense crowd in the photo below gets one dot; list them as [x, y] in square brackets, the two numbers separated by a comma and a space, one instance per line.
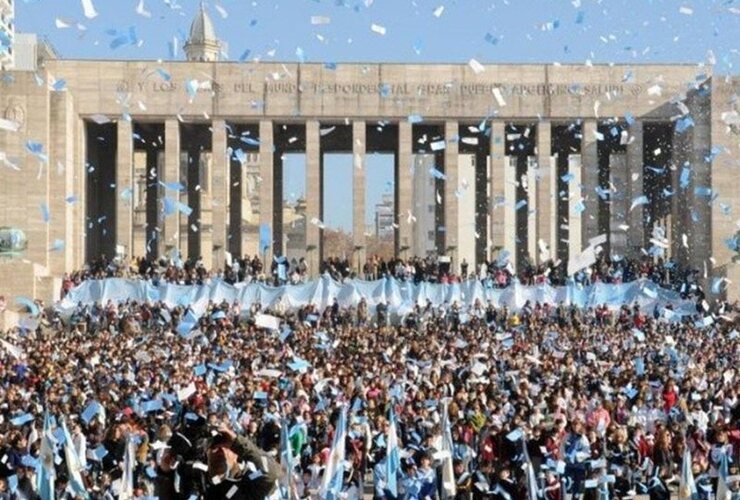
[494, 274]
[499, 274]
[595, 400]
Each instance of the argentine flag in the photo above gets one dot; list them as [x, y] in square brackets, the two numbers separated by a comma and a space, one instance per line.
[723, 489]
[45, 471]
[76, 486]
[687, 487]
[393, 457]
[333, 480]
[449, 487]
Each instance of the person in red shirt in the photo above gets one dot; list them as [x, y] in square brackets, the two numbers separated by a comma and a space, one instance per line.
[670, 396]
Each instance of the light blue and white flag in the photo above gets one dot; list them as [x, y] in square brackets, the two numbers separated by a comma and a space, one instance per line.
[45, 472]
[127, 480]
[393, 456]
[287, 463]
[331, 485]
[533, 492]
[723, 489]
[687, 487]
[74, 466]
[449, 488]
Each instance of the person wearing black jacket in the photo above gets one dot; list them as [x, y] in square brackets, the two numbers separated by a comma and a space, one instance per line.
[236, 469]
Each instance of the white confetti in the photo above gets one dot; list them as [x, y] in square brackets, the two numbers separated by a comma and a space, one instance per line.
[437, 145]
[499, 97]
[438, 11]
[316, 20]
[89, 9]
[141, 10]
[100, 119]
[655, 90]
[9, 125]
[63, 23]
[221, 11]
[686, 10]
[476, 67]
[380, 30]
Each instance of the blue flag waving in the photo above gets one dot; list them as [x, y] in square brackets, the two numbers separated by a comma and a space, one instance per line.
[392, 457]
[333, 480]
[46, 473]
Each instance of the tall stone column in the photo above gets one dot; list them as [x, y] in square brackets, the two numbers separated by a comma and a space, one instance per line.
[404, 189]
[219, 192]
[124, 183]
[497, 201]
[79, 226]
[510, 226]
[619, 205]
[698, 198]
[358, 192]
[679, 200]
[636, 219]
[533, 209]
[204, 233]
[61, 184]
[590, 180]
[575, 215]
[547, 191]
[313, 195]
[267, 172]
[452, 226]
[171, 175]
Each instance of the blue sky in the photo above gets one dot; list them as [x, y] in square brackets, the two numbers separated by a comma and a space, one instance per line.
[601, 31]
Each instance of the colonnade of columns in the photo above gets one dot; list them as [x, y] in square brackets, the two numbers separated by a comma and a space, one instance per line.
[563, 200]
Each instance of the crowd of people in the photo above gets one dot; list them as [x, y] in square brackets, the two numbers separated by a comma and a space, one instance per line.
[500, 274]
[494, 274]
[116, 401]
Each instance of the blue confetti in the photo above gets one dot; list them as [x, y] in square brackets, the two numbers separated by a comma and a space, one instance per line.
[685, 177]
[45, 216]
[59, 85]
[300, 55]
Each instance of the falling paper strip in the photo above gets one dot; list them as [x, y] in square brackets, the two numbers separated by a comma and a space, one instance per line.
[221, 11]
[63, 23]
[45, 212]
[100, 119]
[315, 20]
[687, 11]
[89, 9]
[438, 145]
[141, 10]
[9, 125]
[476, 67]
[499, 97]
[438, 11]
[640, 200]
[376, 28]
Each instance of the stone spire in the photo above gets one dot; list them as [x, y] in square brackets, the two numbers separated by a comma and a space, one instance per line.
[202, 45]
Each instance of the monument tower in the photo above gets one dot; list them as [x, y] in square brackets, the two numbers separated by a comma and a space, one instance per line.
[202, 44]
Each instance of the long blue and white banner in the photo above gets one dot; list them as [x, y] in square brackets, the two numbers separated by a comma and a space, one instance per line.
[400, 296]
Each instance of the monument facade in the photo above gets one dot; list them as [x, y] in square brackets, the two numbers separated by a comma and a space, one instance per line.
[538, 160]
